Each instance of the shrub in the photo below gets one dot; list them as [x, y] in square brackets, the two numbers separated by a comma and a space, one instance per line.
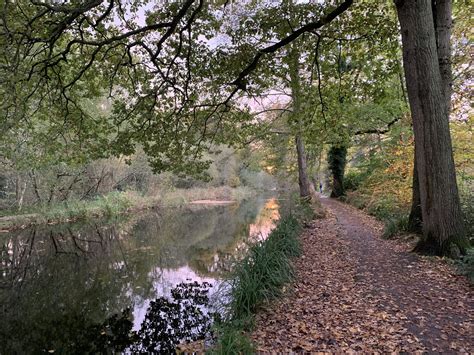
[353, 180]
[395, 225]
[467, 205]
[466, 264]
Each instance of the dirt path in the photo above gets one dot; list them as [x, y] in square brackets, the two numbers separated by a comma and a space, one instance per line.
[357, 292]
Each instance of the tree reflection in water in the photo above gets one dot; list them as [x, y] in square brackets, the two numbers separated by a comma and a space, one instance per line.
[60, 285]
[184, 317]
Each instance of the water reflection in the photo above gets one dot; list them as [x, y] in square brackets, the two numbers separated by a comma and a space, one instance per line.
[61, 286]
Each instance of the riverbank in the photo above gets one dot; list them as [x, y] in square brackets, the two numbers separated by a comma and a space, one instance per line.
[121, 202]
[262, 276]
[257, 279]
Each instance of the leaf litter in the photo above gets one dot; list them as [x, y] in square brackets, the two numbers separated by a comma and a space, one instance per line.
[356, 292]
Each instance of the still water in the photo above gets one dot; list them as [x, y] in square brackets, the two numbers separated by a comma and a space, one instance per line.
[138, 283]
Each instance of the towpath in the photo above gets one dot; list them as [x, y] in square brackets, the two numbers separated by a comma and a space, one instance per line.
[355, 291]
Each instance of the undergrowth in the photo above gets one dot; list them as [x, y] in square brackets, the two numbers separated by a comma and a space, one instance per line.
[385, 209]
[465, 265]
[257, 279]
[116, 203]
[395, 225]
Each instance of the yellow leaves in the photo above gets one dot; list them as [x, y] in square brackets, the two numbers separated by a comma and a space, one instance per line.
[382, 315]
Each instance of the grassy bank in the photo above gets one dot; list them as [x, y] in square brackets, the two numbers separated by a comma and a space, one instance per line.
[116, 203]
[256, 280]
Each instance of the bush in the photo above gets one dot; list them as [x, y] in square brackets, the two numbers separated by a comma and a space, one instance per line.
[353, 180]
[258, 180]
[395, 225]
[466, 265]
[467, 205]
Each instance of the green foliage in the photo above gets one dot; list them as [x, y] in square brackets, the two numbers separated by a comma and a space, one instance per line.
[256, 279]
[353, 180]
[383, 208]
[299, 208]
[231, 340]
[467, 206]
[466, 264]
[259, 277]
[107, 205]
[395, 225]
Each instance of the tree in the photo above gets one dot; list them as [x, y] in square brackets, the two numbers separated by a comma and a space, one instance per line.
[443, 226]
[172, 92]
[337, 162]
[304, 182]
[442, 23]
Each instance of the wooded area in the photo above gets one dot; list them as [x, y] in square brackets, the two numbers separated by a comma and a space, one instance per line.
[139, 101]
[86, 81]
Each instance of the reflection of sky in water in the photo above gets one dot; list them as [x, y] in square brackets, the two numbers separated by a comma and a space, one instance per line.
[163, 284]
[265, 221]
[95, 269]
[164, 280]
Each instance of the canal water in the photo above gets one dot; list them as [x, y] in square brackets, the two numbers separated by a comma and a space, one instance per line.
[136, 283]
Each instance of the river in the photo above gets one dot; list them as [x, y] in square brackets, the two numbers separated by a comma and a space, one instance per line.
[135, 283]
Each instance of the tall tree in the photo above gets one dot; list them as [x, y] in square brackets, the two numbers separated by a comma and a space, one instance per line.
[442, 10]
[443, 227]
[296, 97]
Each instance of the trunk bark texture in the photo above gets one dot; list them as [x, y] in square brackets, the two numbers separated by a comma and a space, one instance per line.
[443, 228]
[296, 96]
[443, 24]
[415, 219]
[303, 179]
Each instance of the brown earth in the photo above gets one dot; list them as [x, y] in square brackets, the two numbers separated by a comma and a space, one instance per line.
[355, 291]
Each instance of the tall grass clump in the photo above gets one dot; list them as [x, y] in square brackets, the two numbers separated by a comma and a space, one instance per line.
[257, 279]
[107, 205]
[395, 225]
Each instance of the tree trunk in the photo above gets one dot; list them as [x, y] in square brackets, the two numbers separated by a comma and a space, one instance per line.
[307, 190]
[443, 23]
[303, 179]
[21, 197]
[337, 163]
[296, 96]
[415, 218]
[443, 227]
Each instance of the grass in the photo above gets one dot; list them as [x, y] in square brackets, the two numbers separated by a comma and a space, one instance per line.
[257, 279]
[102, 206]
[116, 203]
[107, 205]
